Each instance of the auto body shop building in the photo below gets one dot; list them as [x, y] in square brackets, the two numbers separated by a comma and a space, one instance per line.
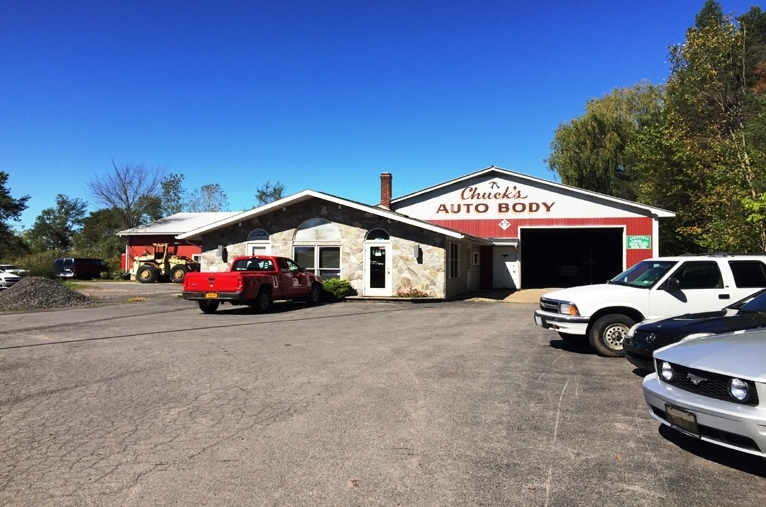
[492, 229]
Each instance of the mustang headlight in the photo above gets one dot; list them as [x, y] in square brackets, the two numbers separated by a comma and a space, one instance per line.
[739, 389]
[666, 372]
[568, 309]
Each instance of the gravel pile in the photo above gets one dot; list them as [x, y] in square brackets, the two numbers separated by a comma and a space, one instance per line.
[37, 292]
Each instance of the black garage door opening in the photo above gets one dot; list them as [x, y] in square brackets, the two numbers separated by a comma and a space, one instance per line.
[569, 257]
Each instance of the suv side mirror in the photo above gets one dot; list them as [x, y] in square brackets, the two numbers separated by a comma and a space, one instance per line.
[670, 284]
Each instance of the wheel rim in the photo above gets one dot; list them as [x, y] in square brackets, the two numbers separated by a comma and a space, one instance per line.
[264, 300]
[614, 335]
[144, 274]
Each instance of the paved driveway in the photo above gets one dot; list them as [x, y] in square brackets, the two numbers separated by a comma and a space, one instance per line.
[463, 403]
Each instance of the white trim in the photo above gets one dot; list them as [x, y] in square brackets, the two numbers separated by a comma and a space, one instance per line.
[510, 241]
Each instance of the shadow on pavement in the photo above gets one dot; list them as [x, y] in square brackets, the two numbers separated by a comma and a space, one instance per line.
[744, 462]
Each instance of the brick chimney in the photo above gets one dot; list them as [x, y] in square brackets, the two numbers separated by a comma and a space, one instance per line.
[385, 190]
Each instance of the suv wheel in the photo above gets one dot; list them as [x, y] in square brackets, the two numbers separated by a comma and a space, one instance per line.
[607, 334]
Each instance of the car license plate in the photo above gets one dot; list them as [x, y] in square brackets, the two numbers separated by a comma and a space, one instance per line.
[538, 321]
[683, 420]
[211, 295]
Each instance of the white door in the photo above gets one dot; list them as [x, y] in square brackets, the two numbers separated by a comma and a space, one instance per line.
[259, 248]
[702, 289]
[505, 267]
[377, 268]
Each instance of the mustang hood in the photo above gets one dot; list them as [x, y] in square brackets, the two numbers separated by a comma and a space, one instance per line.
[741, 354]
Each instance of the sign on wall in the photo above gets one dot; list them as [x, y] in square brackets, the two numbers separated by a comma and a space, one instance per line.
[508, 199]
[639, 242]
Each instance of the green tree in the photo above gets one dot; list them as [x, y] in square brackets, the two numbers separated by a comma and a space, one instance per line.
[98, 236]
[56, 228]
[269, 193]
[711, 13]
[133, 191]
[702, 158]
[592, 151]
[173, 194]
[11, 243]
[208, 198]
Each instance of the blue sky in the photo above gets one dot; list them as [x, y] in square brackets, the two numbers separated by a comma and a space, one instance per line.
[321, 95]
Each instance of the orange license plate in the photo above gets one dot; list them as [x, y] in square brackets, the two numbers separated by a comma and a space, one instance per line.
[211, 295]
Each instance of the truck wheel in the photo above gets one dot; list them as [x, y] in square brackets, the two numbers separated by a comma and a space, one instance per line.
[607, 334]
[574, 339]
[207, 306]
[178, 273]
[147, 274]
[263, 301]
[315, 295]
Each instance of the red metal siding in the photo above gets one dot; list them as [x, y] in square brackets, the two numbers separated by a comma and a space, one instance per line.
[640, 226]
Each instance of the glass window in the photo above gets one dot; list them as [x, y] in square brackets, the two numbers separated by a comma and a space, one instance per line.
[753, 303]
[378, 234]
[643, 274]
[258, 235]
[317, 229]
[454, 260]
[324, 261]
[699, 275]
[329, 261]
[304, 256]
[748, 273]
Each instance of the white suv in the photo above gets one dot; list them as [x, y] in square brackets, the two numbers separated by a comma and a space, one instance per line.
[661, 287]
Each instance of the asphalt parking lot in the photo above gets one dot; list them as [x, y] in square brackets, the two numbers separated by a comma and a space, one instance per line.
[363, 403]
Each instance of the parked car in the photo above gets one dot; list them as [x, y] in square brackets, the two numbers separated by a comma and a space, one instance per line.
[647, 336]
[15, 270]
[711, 389]
[602, 314]
[77, 267]
[8, 280]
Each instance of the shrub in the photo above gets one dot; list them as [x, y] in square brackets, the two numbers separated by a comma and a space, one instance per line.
[336, 289]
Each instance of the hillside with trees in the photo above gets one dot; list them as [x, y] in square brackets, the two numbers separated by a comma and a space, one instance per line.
[695, 145]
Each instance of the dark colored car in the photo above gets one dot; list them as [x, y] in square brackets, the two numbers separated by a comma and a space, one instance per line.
[77, 267]
[646, 337]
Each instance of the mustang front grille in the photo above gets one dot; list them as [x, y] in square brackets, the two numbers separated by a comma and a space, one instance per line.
[705, 383]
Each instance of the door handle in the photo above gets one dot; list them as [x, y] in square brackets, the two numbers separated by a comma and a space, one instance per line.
[724, 296]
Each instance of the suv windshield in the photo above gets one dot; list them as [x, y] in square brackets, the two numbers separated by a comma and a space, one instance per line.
[644, 274]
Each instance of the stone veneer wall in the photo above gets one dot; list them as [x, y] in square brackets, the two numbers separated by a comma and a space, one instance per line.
[353, 225]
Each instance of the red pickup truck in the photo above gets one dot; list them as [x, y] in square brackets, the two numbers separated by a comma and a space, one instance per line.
[255, 281]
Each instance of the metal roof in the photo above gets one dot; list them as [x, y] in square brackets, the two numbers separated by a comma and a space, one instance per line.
[178, 223]
[311, 194]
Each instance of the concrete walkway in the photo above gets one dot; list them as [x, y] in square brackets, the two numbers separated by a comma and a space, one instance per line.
[519, 296]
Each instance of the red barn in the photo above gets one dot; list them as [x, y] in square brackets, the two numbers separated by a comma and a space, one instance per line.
[140, 239]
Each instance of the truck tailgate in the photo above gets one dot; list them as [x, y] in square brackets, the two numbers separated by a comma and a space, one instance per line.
[220, 281]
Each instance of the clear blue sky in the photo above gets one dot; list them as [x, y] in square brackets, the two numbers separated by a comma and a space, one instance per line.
[321, 95]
